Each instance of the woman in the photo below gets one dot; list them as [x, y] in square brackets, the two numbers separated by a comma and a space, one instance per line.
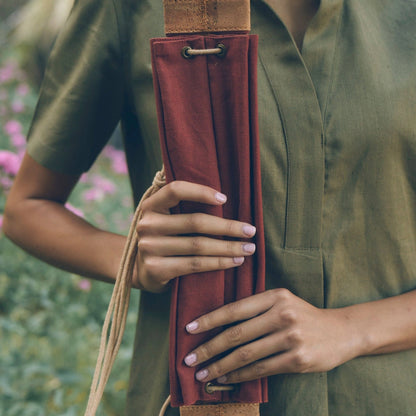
[336, 329]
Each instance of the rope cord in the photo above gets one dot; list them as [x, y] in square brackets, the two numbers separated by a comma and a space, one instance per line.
[115, 319]
[220, 50]
[165, 406]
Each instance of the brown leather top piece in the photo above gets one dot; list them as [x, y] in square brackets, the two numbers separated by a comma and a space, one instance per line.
[202, 16]
[223, 409]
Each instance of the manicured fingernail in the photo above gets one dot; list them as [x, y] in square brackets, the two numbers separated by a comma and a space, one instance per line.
[190, 359]
[201, 375]
[193, 326]
[238, 260]
[249, 230]
[249, 248]
[222, 379]
[220, 197]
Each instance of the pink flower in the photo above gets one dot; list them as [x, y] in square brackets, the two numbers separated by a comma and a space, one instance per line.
[84, 285]
[104, 184]
[18, 140]
[84, 177]
[74, 210]
[118, 160]
[10, 162]
[6, 183]
[1, 222]
[93, 194]
[18, 107]
[110, 151]
[119, 166]
[12, 127]
[7, 72]
[22, 89]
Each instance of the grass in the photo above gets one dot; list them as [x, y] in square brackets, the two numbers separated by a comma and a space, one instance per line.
[50, 320]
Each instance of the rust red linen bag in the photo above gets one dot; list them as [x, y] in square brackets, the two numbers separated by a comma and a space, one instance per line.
[207, 113]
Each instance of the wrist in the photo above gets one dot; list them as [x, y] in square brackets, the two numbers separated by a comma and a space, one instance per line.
[360, 329]
[356, 334]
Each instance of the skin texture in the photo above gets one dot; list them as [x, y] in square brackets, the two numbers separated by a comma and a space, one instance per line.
[57, 236]
[274, 332]
[164, 237]
[270, 333]
[296, 15]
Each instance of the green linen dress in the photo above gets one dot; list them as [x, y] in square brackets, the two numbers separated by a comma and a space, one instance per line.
[338, 141]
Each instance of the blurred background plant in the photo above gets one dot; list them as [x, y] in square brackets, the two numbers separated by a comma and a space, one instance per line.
[50, 321]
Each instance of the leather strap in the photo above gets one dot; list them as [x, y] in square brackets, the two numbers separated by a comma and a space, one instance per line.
[223, 409]
[210, 16]
[206, 16]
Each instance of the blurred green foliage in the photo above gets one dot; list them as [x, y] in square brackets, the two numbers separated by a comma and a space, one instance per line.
[50, 320]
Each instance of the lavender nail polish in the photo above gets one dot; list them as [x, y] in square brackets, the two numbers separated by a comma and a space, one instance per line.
[220, 197]
[249, 248]
[222, 379]
[201, 375]
[193, 326]
[190, 359]
[249, 230]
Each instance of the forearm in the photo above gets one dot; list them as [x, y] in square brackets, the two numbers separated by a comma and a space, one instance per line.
[47, 230]
[384, 326]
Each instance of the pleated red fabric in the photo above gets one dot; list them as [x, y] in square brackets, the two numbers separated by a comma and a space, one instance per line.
[207, 112]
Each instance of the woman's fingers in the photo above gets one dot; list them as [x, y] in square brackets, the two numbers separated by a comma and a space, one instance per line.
[243, 357]
[164, 269]
[198, 223]
[237, 335]
[173, 193]
[175, 245]
[186, 246]
[287, 362]
[233, 312]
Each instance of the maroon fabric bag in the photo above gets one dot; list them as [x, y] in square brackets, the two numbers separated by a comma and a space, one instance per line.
[207, 112]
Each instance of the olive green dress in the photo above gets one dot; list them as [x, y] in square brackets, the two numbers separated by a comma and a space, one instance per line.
[338, 140]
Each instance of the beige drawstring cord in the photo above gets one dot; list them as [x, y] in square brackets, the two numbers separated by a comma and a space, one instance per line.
[117, 312]
[165, 406]
[118, 307]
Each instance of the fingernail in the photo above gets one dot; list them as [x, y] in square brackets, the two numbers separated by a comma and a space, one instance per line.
[201, 375]
[220, 197]
[190, 359]
[249, 230]
[238, 260]
[249, 248]
[193, 326]
[222, 379]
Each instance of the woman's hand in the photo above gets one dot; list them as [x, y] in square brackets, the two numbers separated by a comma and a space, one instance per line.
[273, 332]
[166, 248]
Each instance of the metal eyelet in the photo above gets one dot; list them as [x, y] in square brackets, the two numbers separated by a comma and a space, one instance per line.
[223, 50]
[185, 54]
[211, 388]
[188, 52]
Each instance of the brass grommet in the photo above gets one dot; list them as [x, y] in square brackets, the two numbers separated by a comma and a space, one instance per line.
[223, 50]
[184, 52]
[211, 388]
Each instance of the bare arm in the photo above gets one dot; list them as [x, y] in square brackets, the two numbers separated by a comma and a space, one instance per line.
[37, 220]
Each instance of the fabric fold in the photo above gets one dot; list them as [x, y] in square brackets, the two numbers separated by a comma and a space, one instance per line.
[207, 113]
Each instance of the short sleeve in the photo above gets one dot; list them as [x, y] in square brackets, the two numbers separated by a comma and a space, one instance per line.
[81, 97]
